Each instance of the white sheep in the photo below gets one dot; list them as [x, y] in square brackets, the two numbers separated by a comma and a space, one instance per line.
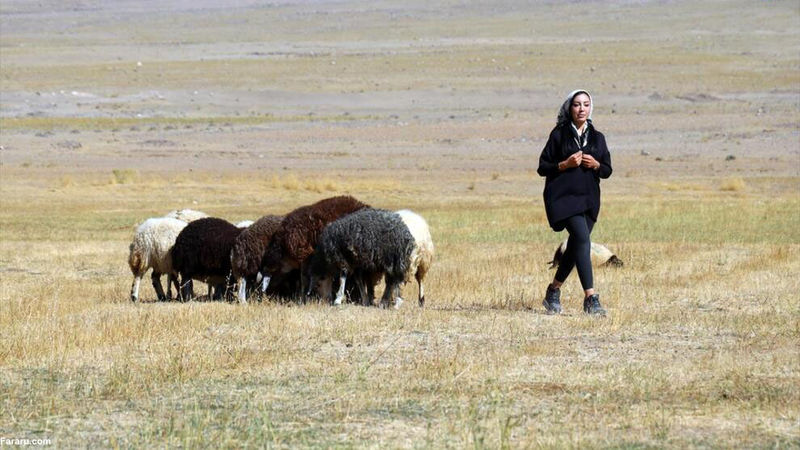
[150, 249]
[186, 215]
[422, 256]
[600, 254]
[244, 223]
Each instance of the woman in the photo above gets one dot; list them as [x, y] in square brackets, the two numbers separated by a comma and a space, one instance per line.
[574, 160]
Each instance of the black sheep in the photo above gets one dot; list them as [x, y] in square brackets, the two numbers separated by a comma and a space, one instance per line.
[202, 252]
[365, 244]
[299, 231]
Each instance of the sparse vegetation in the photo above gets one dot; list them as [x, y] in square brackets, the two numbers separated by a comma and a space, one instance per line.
[476, 365]
[442, 110]
[116, 124]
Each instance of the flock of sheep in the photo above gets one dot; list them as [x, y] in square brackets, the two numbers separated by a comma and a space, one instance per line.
[336, 245]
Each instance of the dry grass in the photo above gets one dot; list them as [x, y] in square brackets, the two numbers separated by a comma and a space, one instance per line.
[246, 110]
[699, 347]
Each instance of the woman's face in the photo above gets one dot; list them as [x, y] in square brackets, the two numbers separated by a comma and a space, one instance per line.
[580, 109]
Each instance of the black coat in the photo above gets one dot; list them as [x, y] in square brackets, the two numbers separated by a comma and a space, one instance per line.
[575, 190]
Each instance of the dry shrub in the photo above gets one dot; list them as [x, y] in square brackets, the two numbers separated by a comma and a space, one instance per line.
[292, 182]
[67, 181]
[124, 176]
[733, 184]
[320, 186]
[678, 186]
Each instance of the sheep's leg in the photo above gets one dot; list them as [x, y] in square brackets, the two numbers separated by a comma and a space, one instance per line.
[388, 291]
[340, 293]
[366, 299]
[186, 289]
[305, 274]
[265, 284]
[398, 300]
[257, 287]
[220, 289]
[421, 293]
[135, 288]
[156, 279]
[242, 290]
[170, 281]
[371, 291]
[177, 284]
[190, 290]
[310, 285]
[229, 286]
[387, 295]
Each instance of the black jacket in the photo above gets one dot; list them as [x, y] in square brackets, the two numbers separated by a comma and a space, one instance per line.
[575, 190]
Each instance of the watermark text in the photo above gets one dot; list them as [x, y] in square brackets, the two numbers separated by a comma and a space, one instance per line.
[24, 442]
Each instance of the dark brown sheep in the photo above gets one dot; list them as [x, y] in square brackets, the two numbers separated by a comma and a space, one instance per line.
[202, 252]
[248, 251]
[299, 232]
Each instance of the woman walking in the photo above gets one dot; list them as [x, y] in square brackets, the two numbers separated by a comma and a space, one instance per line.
[574, 160]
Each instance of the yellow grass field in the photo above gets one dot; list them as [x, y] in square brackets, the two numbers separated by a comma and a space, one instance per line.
[111, 114]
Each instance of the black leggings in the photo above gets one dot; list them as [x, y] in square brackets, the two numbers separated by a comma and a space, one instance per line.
[579, 247]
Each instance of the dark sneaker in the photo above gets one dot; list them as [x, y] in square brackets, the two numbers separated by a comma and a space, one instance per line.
[591, 305]
[552, 300]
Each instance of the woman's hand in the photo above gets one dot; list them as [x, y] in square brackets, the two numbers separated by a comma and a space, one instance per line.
[574, 160]
[589, 162]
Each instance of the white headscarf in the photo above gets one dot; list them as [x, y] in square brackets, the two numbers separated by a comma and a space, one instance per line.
[564, 115]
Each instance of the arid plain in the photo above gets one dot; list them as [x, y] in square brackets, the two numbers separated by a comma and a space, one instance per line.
[113, 112]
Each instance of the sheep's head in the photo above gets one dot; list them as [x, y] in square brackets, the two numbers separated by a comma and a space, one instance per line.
[271, 261]
[614, 261]
[321, 287]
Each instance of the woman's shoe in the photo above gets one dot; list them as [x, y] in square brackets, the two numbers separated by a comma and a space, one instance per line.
[591, 305]
[552, 300]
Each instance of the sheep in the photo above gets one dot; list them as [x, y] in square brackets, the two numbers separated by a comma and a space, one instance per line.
[151, 249]
[422, 256]
[244, 223]
[366, 243]
[202, 252]
[299, 230]
[601, 255]
[248, 251]
[186, 215]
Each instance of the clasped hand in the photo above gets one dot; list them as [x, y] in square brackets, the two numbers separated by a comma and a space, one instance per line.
[581, 159]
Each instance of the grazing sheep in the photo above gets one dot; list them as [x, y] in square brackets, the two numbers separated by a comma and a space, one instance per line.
[248, 251]
[601, 256]
[202, 252]
[150, 249]
[186, 215]
[366, 244]
[422, 256]
[244, 223]
[299, 230]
